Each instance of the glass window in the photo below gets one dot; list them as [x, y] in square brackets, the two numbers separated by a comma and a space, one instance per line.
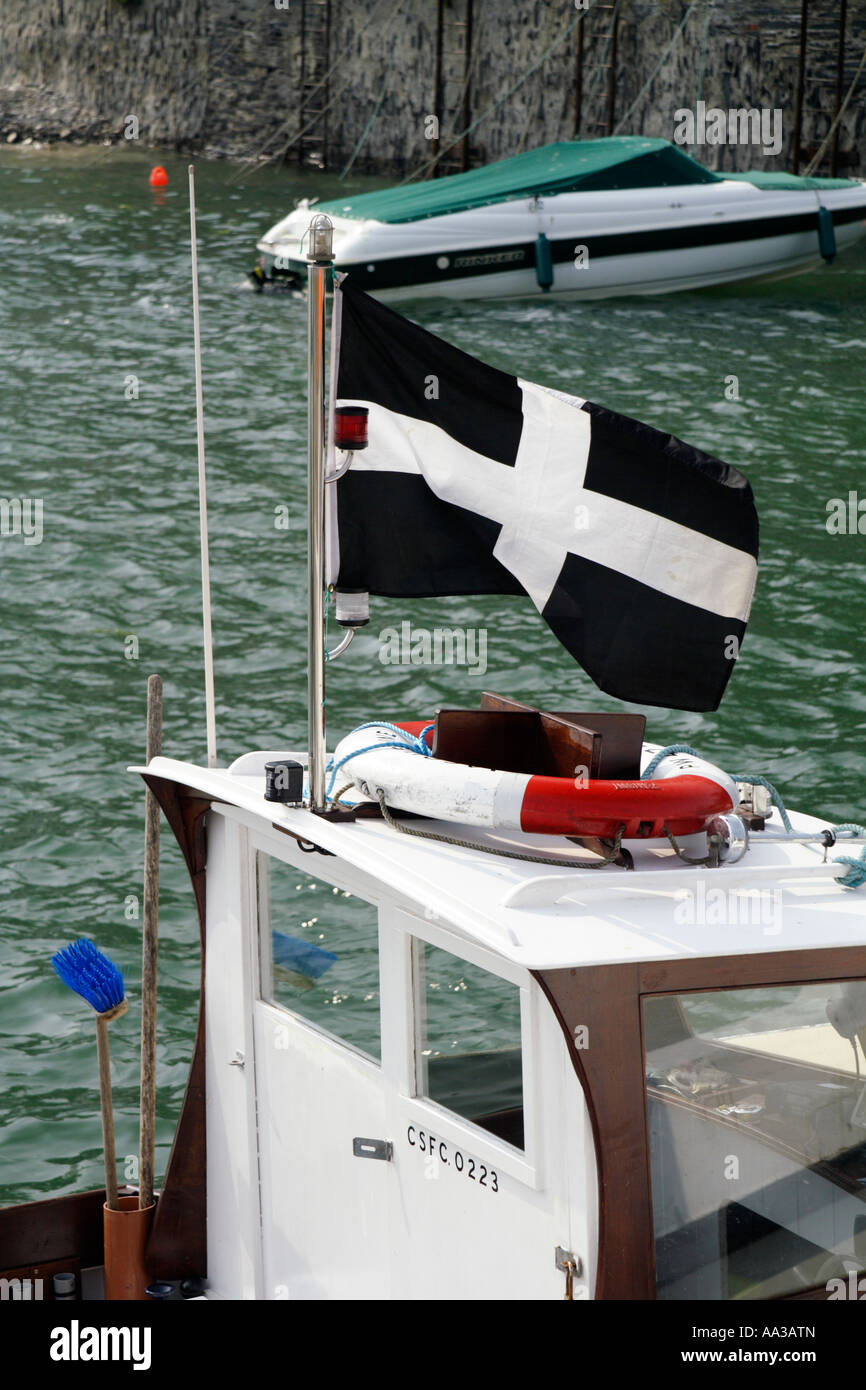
[468, 1042]
[757, 1123]
[319, 953]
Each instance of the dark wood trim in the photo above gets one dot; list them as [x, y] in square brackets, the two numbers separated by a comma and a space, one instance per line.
[58, 1228]
[609, 745]
[606, 1002]
[177, 1247]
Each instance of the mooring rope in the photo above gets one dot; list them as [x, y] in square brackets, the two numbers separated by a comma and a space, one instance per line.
[856, 875]
[654, 74]
[409, 743]
[553, 860]
[749, 777]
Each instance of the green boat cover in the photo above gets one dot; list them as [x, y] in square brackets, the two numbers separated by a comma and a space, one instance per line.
[763, 178]
[616, 162]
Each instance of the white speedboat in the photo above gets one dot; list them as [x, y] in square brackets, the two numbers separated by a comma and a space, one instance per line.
[587, 219]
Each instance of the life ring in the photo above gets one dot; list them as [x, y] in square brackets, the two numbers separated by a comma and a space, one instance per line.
[683, 796]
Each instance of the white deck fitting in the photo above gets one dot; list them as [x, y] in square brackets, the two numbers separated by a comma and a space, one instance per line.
[781, 896]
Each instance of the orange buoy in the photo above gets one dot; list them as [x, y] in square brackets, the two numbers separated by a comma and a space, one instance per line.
[158, 177]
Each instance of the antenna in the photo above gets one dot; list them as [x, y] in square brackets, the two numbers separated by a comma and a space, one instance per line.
[210, 707]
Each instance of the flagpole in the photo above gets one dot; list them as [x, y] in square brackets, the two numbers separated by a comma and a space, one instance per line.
[320, 257]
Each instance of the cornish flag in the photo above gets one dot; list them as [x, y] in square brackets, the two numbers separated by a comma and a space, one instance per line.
[639, 551]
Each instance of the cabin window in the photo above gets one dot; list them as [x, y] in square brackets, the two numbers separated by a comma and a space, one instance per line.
[319, 953]
[468, 1042]
[757, 1122]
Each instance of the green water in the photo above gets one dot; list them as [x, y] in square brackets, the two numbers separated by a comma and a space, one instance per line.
[95, 289]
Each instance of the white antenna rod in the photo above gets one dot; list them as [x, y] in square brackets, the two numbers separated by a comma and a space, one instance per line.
[210, 706]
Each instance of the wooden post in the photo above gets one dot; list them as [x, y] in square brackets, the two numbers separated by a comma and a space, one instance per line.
[578, 77]
[149, 937]
[467, 69]
[840, 78]
[301, 81]
[611, 76]
[323, 95]
[801, 83]
[438, 94]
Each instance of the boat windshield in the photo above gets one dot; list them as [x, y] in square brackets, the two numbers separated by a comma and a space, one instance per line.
[756, 1105]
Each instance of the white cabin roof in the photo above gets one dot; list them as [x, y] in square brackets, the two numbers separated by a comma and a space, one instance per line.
[780, 896]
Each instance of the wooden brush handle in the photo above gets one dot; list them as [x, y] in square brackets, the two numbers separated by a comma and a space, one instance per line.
[107, 1113]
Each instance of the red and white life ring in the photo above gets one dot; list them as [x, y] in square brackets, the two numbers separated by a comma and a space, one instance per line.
[683, 796]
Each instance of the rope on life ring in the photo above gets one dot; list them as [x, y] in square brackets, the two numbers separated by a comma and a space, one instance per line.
[558, 863]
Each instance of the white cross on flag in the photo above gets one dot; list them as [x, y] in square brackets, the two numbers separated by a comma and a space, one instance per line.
[639, 551]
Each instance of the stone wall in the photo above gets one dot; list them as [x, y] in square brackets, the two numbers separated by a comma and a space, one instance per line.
[226, 77]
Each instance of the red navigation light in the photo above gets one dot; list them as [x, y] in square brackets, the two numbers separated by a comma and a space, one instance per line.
[350, 426]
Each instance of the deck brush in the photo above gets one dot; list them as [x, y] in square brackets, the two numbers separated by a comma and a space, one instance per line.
[98, 981]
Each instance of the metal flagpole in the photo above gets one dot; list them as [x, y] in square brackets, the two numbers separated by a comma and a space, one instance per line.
[210, 707]
[320, 257]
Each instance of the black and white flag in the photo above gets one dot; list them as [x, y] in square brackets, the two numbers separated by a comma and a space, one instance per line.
[639, 551]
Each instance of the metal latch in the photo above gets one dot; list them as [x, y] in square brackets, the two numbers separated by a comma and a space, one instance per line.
[571, 1266]
[373, 1148]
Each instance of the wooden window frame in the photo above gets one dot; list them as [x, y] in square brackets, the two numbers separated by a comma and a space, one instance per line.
[607, 1000]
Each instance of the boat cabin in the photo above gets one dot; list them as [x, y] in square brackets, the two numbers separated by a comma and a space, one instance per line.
[426, 1071]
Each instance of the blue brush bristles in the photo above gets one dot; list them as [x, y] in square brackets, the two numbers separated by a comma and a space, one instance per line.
[91, 974]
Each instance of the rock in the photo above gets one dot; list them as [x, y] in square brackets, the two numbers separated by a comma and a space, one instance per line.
[224, 74]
